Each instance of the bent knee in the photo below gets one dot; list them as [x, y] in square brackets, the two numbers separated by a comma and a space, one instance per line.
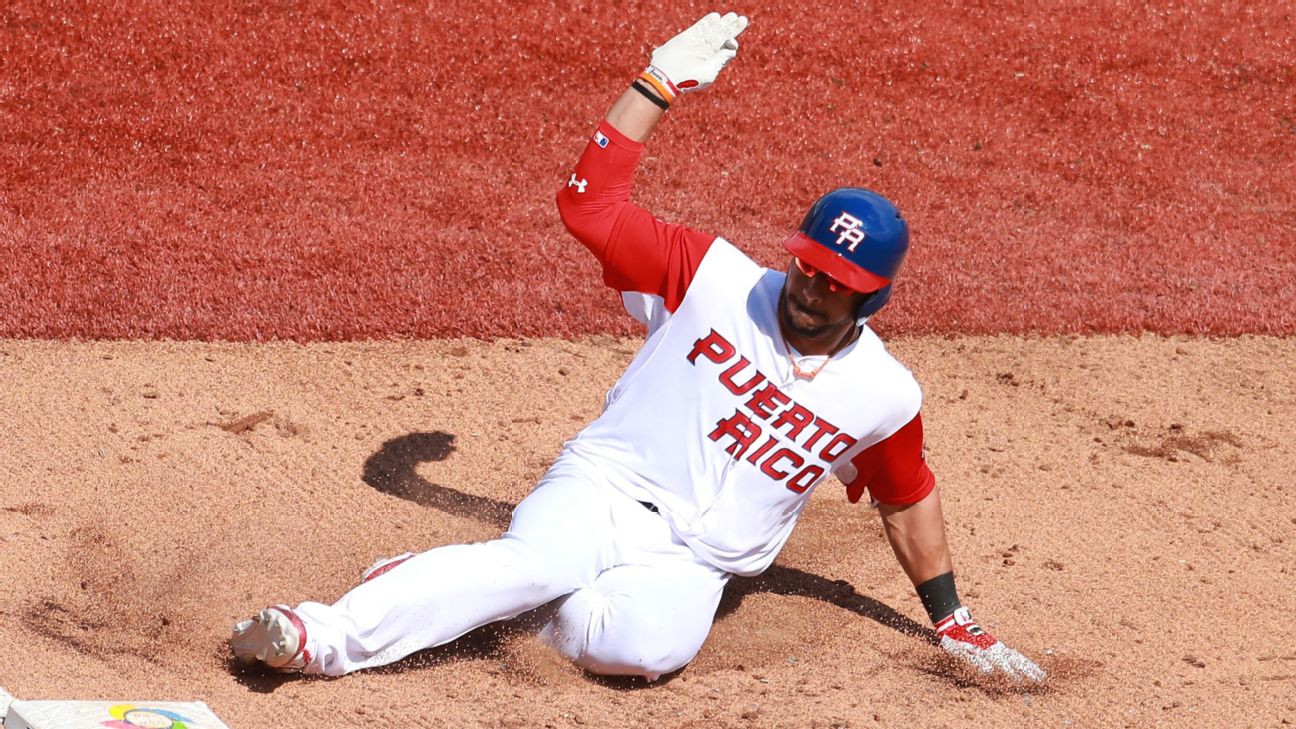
[597, 636]
[635, 657]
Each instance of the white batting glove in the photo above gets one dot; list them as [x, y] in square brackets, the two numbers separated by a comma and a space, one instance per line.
[691, 60]
[962, 638]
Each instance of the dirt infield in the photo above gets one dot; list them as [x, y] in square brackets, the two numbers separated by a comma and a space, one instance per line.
[1105, 518]
[243, 242]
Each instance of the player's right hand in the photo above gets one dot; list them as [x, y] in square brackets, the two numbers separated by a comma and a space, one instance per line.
[691, 60]
[962, 638]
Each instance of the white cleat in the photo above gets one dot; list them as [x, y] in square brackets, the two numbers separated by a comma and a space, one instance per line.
[275, 637]
[383, 566]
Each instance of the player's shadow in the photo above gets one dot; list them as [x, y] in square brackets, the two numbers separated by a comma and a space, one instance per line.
[394, 470]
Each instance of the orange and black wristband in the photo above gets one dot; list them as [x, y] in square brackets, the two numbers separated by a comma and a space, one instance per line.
[639, 86]
[653, 77]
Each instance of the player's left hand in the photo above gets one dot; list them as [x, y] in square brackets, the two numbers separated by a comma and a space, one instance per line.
[691, 60]
[962, 638]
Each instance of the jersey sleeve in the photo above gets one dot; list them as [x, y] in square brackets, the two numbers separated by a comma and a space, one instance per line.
[893, 470]
[638, 252]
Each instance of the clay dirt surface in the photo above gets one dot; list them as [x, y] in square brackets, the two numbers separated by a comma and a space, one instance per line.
[1119, 508]
[245, 244]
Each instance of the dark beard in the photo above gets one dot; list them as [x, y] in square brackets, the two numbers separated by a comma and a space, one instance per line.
[804, 332]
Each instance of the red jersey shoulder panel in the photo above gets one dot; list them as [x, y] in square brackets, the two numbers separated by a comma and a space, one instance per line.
[638, 252]
[893, 469]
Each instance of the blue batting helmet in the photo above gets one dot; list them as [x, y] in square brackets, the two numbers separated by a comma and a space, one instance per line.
[859, 238]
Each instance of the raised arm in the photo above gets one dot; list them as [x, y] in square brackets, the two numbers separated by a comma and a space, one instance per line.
[688, 62]
[634, 114]
[639, 252]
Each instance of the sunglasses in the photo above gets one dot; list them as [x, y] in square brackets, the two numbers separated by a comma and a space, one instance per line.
[811, 271]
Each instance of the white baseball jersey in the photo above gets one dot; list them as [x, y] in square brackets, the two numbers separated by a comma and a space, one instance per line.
[710, 423]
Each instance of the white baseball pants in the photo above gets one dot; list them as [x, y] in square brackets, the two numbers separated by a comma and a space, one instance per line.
[631, 599]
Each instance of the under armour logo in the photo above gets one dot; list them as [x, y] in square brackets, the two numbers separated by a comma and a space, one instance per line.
[851, 230]
[578, 184]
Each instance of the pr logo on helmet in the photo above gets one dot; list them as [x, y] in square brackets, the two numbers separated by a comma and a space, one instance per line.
[850, 229]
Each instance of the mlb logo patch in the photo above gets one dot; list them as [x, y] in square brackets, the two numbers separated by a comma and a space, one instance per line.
[600, 139]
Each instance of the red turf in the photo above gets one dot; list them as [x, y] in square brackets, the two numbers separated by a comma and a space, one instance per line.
[229, 170]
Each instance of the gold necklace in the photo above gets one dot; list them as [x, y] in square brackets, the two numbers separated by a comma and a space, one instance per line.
[811, 374]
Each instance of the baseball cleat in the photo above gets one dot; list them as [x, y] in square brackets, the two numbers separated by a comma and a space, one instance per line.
[384, 566]
[275, 637]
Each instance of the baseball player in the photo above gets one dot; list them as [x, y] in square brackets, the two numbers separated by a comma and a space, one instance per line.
[752, 388]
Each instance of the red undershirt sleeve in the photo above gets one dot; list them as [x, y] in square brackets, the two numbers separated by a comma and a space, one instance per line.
[893, 470]
[638, 252]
